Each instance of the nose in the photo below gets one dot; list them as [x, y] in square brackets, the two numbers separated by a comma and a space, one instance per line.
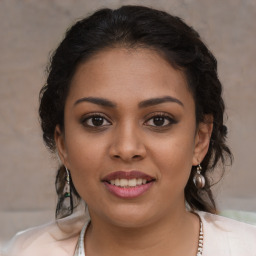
[127, 144]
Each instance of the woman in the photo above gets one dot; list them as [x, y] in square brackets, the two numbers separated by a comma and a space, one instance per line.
[133, 108]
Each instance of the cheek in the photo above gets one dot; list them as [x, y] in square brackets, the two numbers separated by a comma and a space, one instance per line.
[174, 158]
[85, 162]
[83, 152]
[83, 149]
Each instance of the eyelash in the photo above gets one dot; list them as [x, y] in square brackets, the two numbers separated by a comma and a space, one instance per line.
[86, 118]
[170, 119]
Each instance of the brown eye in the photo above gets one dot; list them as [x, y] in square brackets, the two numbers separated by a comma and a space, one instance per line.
[160, 120]
[95, 121]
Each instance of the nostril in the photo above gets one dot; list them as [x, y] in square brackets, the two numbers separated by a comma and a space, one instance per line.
[134, 157]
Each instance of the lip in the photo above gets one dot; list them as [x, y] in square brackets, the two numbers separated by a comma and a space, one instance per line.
[128, 192]
[127, 175]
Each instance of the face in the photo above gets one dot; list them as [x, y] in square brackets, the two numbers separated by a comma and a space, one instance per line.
[130, 137]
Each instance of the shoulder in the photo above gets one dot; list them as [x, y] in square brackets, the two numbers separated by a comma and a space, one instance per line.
[226, 236]
[231, 226]
[38, 240]
[50, 239]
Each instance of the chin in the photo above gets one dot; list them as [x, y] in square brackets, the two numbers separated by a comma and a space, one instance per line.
[130, 217]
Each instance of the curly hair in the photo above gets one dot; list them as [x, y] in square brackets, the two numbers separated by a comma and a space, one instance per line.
[136, 27]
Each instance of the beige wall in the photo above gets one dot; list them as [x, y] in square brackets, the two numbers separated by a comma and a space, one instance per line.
[30, 29]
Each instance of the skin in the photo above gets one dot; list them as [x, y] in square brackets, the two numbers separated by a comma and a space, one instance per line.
[155, 223]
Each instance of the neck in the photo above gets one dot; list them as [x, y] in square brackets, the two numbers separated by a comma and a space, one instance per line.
[176, 234]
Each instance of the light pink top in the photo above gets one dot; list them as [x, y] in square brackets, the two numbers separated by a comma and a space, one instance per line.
[222, 237]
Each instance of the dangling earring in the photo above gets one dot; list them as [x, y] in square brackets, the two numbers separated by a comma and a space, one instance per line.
[66, 189]
[65, 201]
[199, 179]
[67, 204]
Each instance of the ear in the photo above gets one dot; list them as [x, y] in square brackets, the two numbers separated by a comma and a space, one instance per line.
[60, 144]
[202, 139]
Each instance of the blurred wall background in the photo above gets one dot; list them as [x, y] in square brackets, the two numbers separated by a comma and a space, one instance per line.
[30, 30]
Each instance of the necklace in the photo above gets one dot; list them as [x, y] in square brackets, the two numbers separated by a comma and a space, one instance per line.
[200, 239]
[80, 244]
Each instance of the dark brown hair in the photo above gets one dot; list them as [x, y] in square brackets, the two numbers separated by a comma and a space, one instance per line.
[135, 27]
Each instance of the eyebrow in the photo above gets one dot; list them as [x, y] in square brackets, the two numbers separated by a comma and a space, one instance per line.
[155, 101]
[99, 101]
[143, 104]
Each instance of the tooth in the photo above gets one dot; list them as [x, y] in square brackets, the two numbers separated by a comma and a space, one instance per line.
[128, 182]
[132, 183]
[123, 182]
[117, 182]
[139, 181]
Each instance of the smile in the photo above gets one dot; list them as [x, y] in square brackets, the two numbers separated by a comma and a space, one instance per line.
[130, 184]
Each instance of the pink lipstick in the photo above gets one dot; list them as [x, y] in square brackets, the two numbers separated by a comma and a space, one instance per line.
[129, 184]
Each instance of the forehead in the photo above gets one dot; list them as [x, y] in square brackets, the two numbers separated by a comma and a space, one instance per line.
[134, 74]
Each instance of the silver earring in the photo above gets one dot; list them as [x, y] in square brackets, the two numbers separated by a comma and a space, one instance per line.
[199, 179]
